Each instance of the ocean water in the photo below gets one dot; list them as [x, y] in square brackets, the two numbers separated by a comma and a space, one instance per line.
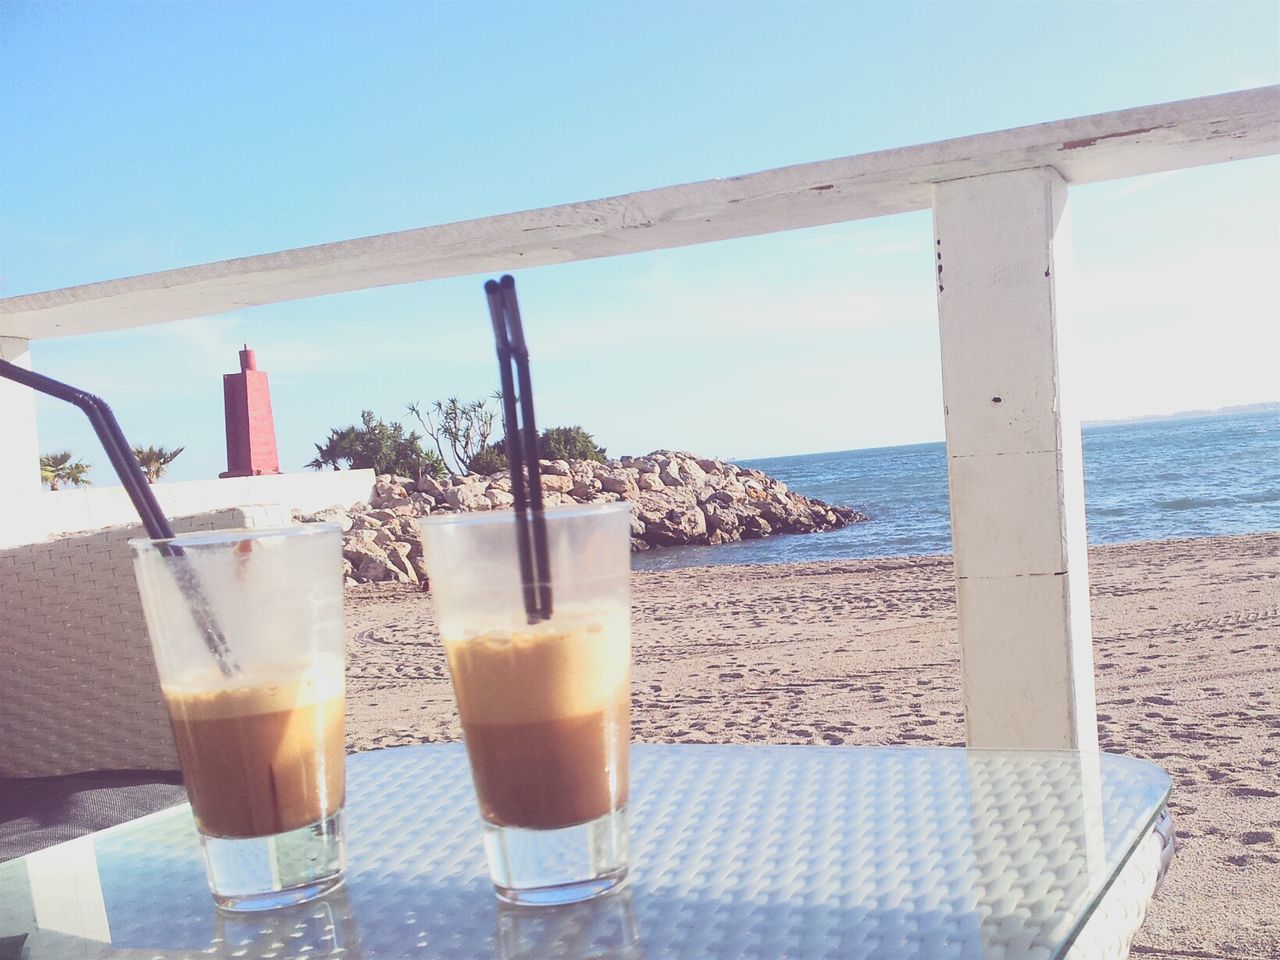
[1145, 480]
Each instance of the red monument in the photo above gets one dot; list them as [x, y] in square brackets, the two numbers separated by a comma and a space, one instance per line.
[251, 432]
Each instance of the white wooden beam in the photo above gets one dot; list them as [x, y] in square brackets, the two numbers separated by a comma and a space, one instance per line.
[1014, 460]
[1105, 146]
[20, 489]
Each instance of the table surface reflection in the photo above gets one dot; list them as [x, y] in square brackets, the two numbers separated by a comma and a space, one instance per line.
[737, 851]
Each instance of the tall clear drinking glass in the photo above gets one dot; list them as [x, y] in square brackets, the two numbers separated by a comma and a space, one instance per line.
[545, 706]
[260, 735]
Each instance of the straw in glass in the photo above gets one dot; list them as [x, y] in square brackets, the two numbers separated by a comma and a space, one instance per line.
[120, 454]
[522, 447]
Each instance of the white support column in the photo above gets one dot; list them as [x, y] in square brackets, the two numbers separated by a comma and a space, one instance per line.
[1014, 460]
[20, 489]
[65, 887]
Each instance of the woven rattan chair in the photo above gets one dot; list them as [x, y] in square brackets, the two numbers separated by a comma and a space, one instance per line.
[79, 694]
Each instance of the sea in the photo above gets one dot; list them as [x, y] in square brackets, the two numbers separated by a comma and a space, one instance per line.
[1193, 476]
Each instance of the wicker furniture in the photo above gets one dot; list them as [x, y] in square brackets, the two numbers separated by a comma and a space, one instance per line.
[738, 851]
[78, 688]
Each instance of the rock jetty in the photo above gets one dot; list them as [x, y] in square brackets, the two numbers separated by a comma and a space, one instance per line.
[676, 499]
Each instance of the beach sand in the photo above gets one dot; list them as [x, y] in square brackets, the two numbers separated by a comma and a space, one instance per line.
[1186, 654]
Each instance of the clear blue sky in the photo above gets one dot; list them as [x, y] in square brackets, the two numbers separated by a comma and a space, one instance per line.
[141, 136]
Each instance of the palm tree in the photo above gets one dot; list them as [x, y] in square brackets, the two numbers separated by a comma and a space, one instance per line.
[377, 445]
[339, 448]
[155, 460]
[57, 468]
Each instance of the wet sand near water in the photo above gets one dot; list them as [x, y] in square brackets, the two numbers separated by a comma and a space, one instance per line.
[1186, 656]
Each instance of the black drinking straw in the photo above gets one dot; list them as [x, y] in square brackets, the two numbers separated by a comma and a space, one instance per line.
[120, 454]
[522, 447]
[541, 560]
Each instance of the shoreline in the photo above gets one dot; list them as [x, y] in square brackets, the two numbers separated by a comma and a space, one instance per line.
[865, 651]
[712, 550]
[888, 557]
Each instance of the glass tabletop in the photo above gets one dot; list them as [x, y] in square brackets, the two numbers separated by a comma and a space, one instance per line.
[737, 851]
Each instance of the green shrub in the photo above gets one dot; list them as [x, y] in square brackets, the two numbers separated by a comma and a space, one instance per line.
[490, 460]
[569, 443]
[555, 443]
[384, 447]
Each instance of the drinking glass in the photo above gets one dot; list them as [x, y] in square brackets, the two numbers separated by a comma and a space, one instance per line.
[545, 705]
[259, 727]
[600, 929]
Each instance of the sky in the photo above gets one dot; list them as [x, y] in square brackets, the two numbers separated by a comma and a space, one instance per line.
[139, 136]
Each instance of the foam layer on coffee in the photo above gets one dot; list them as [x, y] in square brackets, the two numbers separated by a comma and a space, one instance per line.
[577, 663]
[208, 695]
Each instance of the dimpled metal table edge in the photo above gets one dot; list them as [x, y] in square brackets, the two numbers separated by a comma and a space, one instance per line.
[865, 853]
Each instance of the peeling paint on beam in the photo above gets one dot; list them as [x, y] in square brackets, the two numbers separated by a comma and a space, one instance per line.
[1090, 141]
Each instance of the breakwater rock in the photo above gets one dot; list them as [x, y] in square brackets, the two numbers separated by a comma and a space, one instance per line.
[676, 499]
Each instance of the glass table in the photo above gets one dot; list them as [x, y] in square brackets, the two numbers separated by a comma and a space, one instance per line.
[737, 851]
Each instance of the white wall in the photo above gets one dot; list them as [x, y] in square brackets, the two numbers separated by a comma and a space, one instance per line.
[19, 452]
[88, 508]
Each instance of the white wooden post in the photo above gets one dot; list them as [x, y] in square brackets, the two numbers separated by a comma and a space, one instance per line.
[20, 489]
[1014, 460]
[66, 891]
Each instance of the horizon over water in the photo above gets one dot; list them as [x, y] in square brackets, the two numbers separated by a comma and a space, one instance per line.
[1195, 476]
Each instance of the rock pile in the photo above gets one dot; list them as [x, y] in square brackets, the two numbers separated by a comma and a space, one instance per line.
[676, 499]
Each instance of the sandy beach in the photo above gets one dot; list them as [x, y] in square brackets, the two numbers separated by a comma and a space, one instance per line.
[1187, 659]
